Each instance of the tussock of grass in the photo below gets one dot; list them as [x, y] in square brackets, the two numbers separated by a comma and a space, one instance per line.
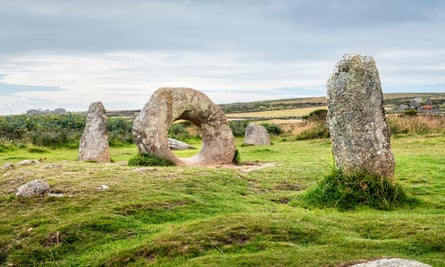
[346, 191]
[237, 157]
[148, 160]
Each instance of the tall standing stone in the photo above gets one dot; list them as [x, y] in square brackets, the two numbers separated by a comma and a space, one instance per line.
[94, 142]
[356, 117]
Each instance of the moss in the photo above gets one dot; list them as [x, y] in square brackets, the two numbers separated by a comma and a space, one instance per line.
[148, 160]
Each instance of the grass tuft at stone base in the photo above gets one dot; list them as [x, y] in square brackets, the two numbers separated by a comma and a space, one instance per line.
[148, 160]
[347, 191]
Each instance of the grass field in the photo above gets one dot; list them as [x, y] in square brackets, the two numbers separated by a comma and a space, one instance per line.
[177, 216]
[296, 112]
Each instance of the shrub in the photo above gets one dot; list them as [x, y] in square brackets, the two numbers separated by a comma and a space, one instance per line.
[416, 125]
[238, 127]
[345, 192]
[316, 131]
[179, 131]
[410, 112]
[148, 160]
[318, 115]
[120, 131]
[272, 128]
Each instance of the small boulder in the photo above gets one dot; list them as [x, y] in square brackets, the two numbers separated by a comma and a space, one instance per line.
[33, 189]
[395, 262]
[7, 166]
[27, 162]
[174, 144]
[256, 135]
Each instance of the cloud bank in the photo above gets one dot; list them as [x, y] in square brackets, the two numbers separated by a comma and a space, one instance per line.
[70, 53]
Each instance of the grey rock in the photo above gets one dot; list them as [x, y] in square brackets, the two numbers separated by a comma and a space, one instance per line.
[395, 262]
[356, 118]
[256, 135]
[7, 166]
[94, 142]
[27, 162]
[56, 195]
[167, 105]
[33, 189]
[143, 169]
[174, 144]
[103, 187]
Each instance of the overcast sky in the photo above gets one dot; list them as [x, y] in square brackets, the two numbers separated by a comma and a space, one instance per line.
[64, 53]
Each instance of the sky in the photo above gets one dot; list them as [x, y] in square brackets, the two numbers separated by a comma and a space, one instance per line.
[68, 54]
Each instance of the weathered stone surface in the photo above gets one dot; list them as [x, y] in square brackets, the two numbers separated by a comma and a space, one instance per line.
[174, 144]
[167, 105]
[395, 262]
[256, 135]
[94, 142]
[33, 189]
[7, 166]
[27, 162]
[357, 123]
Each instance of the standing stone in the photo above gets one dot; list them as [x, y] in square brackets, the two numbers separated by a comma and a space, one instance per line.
[94, 142]
[167, 105]
[356, 117]
[256, 135]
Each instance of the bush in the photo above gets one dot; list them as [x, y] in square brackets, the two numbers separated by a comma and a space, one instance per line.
[318, 115]
[416, 125]
[120, 131]
[345, 192]
[316, 131]
[410, 113]
[238, 127]
[179, 131]
[148, 160]
[272, 128]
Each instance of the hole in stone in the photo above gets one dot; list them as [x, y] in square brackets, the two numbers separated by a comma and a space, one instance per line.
[187, 132]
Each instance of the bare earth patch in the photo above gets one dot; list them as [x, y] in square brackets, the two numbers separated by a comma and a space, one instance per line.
[251, 166]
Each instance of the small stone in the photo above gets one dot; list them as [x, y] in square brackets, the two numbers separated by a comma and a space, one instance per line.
[33, 189]
[103, 187]
[27, 162]
[56, 194]
[143, 169]
[256, 135]
[94, 142]
[395, 262]
[7, 166]
[53, 166]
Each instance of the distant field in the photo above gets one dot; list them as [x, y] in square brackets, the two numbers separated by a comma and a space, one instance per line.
[296, 112]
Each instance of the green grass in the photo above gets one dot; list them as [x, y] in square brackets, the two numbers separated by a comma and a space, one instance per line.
[347, 191]
[178, 216]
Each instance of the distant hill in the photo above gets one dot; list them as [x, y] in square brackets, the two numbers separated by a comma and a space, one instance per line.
[391, 99]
